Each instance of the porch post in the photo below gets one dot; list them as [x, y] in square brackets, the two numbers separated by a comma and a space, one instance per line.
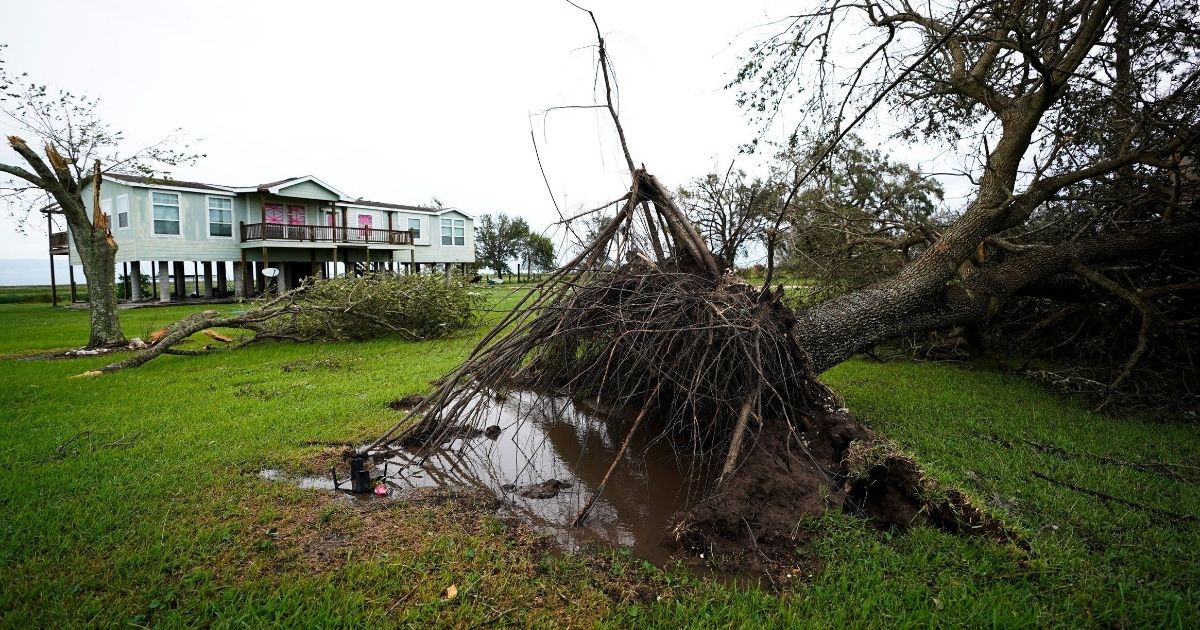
[164, 282]
[222, 281]
[180, 280]
[135, 273]
[239, 277]
[71, 273]
[53, 283]
[153, 279]
[208, 287]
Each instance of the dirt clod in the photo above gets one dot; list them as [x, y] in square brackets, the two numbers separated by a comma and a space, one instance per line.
[406, 403]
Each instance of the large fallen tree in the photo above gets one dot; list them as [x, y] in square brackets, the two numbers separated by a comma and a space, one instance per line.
[646, 318]
[710, 364]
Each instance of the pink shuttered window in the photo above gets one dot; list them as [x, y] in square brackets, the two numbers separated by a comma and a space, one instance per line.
[295, 215]
[364, 220]
[272, 213]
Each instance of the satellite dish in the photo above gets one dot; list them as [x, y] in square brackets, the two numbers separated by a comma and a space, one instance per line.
[270, 272]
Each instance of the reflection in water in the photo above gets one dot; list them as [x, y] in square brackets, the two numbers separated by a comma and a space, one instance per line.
[544, 438]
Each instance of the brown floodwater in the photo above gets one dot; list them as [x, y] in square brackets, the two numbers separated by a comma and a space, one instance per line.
[544, 438]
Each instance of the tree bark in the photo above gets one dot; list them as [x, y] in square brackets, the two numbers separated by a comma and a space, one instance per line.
[835, 330]
[99, 257]
[93, 241]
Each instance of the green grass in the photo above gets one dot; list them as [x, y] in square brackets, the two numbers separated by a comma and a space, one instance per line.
[131, 498]
[28, 294]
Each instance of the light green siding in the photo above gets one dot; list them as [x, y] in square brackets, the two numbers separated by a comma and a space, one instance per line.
[308, 190]
[137, 240]
[430, 249]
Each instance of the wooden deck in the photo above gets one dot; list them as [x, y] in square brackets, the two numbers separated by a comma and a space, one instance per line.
[323, 234]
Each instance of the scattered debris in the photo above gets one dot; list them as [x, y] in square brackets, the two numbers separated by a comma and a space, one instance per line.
[1110, 498]
[62, 451]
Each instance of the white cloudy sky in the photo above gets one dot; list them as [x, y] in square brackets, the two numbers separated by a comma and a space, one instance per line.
[400, 101]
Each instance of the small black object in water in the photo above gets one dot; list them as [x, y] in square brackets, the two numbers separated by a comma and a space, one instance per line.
[492, 432]
[360, 478]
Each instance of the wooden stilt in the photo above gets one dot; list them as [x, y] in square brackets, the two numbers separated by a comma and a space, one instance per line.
[53, 282]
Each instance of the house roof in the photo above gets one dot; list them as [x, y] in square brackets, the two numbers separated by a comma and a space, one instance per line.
[390, 206]
[363, 203]
[273, 187]
[162, 181]
[276, 186]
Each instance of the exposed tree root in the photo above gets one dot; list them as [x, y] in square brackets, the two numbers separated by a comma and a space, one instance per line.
[832, 462]
[712, 366]
[646, 318]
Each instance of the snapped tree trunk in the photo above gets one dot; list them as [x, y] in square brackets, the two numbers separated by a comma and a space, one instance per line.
[98, 254]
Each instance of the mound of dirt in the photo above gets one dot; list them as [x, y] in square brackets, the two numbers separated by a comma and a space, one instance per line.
[750, 523]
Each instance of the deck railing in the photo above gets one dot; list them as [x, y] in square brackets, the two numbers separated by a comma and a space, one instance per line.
[323, 234]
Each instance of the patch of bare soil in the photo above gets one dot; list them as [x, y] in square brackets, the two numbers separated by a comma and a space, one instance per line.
[406, 403]
[835, 463]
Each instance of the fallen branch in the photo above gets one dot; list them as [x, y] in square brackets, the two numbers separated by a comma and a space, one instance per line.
[582, 515]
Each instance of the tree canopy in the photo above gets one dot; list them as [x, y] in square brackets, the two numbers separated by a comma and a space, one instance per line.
[1075, 127]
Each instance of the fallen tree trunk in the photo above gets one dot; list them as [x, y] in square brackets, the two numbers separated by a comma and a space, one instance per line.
[834, 331]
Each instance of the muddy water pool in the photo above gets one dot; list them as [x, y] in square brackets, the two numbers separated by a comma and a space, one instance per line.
[558, 449]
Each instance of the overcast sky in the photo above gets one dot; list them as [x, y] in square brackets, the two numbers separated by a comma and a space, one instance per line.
[401, 101]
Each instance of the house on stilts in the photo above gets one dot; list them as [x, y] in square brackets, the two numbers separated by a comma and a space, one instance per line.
[228, 235]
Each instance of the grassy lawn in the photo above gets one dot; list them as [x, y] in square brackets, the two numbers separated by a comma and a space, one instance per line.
[132, 499]
[33, 293]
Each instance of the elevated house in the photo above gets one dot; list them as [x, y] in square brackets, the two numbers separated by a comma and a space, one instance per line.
[301, 226]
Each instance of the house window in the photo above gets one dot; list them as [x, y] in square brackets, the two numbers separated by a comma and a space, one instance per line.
[272, 213]
[220, 216]
[295, 215]
[414, 226]
[166, 212]
[454, 232]
[122, 211]
[364, 221]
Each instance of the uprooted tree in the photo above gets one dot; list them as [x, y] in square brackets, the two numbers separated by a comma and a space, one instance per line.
[646, 319]
[1083, 120]
[77, 149]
